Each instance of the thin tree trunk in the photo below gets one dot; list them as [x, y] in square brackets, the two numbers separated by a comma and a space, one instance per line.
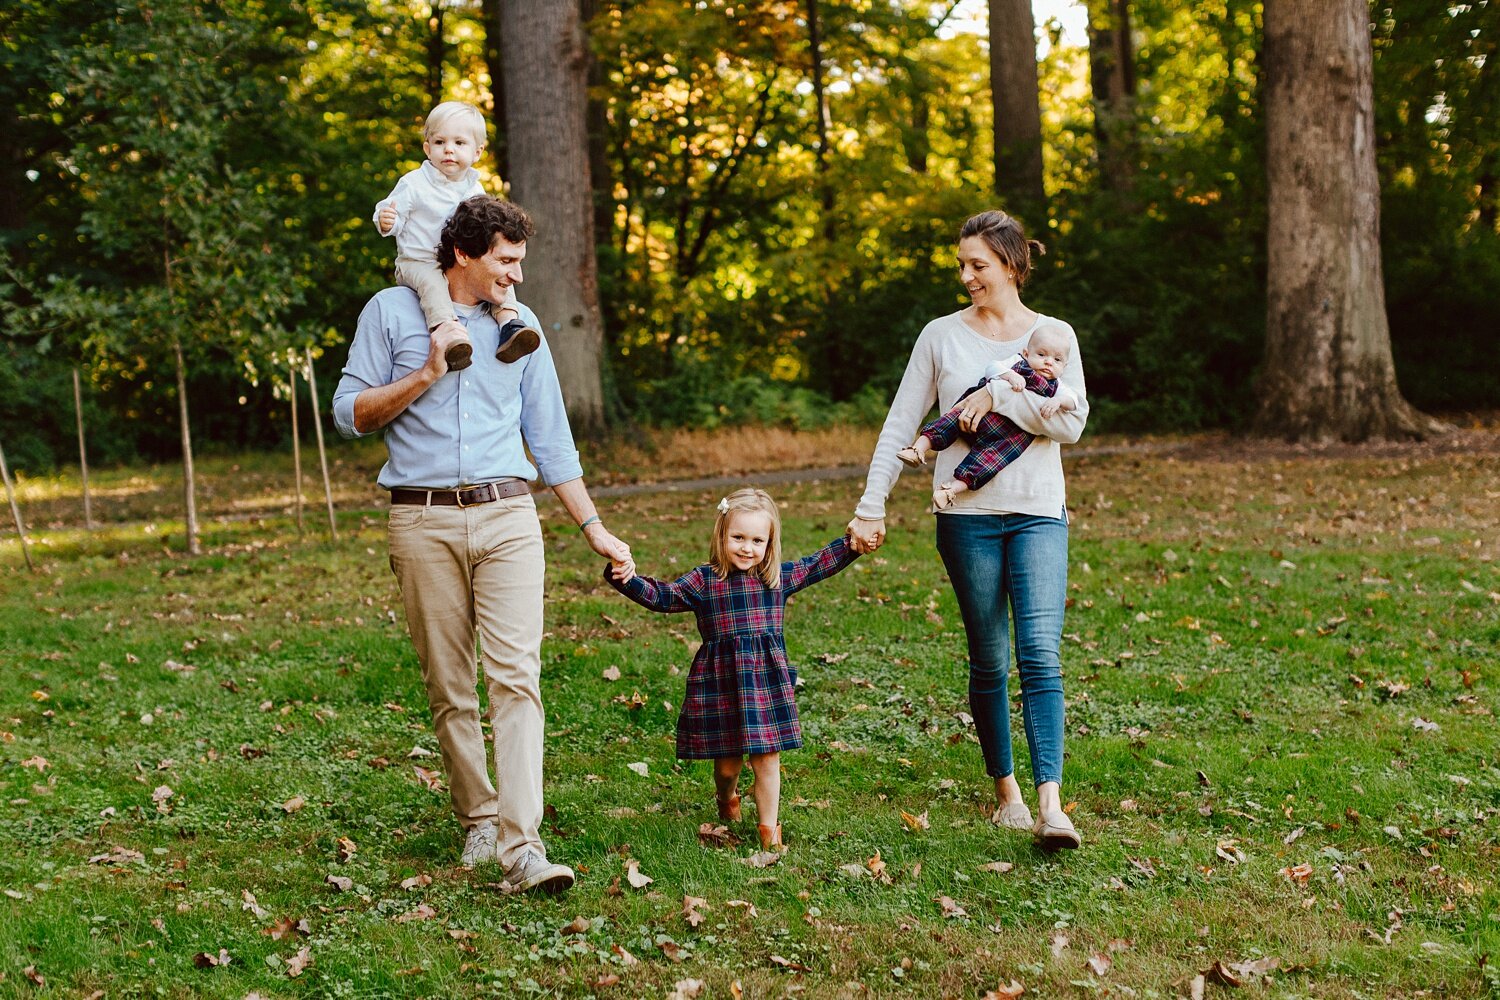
[1328, 371]
[1112, 77]
[15, 512]
[494, 62]
[546, 73]
[820, 107]
[317, 419]
[598, 128]
[296, 443]
[1018, 111]
[189, 483]
[83, 455]
[437, 54]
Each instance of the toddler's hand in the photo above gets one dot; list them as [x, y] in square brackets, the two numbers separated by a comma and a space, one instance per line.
[387, 218]
[1014, 380]
[622, 570]
[1049, 407]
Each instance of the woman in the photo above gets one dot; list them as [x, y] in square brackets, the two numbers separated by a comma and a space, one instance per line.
[1005, 546]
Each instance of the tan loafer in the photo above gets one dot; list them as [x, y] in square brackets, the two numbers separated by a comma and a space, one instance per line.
[1054, 832]
[1013, 816]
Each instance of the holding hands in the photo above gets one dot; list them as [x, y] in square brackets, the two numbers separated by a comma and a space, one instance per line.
[866, 534]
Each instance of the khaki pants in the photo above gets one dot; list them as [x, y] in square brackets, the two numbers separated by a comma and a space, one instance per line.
[426, 279]
[478, 570]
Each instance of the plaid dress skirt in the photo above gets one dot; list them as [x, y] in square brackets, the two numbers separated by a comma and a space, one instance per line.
[741, 689]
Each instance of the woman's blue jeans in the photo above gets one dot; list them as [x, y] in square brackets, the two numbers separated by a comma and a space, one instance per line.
[1004, 568]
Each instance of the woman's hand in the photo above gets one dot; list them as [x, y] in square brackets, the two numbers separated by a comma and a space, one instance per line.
[866, 534]
[973, 407]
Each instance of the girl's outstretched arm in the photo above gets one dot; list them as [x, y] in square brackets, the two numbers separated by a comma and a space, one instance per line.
[820, 565]
[681, 594]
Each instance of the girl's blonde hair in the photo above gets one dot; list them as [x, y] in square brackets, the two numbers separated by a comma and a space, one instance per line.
[748, 500]
[448, 110]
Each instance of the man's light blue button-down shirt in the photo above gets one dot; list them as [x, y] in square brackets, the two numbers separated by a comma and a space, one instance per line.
[469, 426]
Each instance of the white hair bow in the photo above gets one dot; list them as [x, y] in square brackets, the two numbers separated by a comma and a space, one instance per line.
[724, 505]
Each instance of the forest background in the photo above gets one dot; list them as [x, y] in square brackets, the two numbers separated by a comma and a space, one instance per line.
[775, 200]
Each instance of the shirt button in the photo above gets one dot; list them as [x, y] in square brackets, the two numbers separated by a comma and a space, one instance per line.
[466, 416]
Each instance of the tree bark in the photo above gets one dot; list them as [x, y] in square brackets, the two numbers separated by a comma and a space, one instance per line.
[1328, 370]
[494, 62]
[296, 442]
[1018, 111]
[820, 107]
[437, 54]
[1112, 78]
[546, 73]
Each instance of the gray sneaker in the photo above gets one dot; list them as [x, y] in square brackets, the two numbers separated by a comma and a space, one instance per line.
[479, 846]
[534, 871]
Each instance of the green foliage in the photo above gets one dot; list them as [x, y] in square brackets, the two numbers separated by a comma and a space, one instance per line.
[239, 147]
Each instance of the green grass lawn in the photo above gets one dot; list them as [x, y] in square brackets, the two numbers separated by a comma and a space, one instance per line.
[1282, 755]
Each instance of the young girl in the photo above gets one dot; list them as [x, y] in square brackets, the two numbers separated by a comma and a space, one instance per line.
[741, 691]
[415, 211]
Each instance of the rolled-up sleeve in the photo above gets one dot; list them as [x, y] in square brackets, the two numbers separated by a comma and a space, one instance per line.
[369, 365]
[544, 415]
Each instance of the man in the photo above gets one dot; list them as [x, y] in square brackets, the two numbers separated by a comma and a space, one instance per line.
[465, 543]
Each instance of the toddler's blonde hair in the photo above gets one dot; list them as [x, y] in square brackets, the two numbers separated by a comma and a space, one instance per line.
[749, 500]
[448, 110]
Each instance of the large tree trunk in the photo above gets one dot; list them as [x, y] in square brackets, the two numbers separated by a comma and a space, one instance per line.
[820, 108]
[1018, 111]
[546, 70]
[1112, 77]
[1328, 369]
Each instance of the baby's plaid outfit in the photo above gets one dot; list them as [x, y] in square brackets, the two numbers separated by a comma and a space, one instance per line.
[996, 442]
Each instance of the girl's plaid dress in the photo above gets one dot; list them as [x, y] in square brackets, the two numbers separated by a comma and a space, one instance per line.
[741, 691]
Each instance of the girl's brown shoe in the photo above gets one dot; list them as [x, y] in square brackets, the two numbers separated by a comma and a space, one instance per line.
[729, 809]
[770, 838]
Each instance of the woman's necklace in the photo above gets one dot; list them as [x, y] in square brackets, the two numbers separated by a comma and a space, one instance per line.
[998, 329]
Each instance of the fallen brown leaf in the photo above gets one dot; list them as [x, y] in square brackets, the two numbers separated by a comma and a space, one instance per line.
[579, 925]
[299, 962]
[950, 907]
[416, 882]
[917, 823]
[292, 804]
[690, 912]
[346, 850]
[1005, 992]
[204, 960]
[634, 876]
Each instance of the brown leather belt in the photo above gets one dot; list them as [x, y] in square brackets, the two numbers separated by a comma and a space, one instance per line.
[466, 496]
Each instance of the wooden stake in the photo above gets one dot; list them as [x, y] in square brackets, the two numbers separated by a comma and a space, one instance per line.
[83, 455]
[296, 445]
[189, 498]
[312, 389]
[15, 512]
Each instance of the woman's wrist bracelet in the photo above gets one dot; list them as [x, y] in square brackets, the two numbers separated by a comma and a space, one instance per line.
[592, 520]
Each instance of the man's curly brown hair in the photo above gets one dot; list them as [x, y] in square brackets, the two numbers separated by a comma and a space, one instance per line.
[474, 225]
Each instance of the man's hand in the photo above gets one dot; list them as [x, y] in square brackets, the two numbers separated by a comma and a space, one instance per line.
[866, 534]
[973, 407]
[443, 336]
[387, 219]
[607, 545]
